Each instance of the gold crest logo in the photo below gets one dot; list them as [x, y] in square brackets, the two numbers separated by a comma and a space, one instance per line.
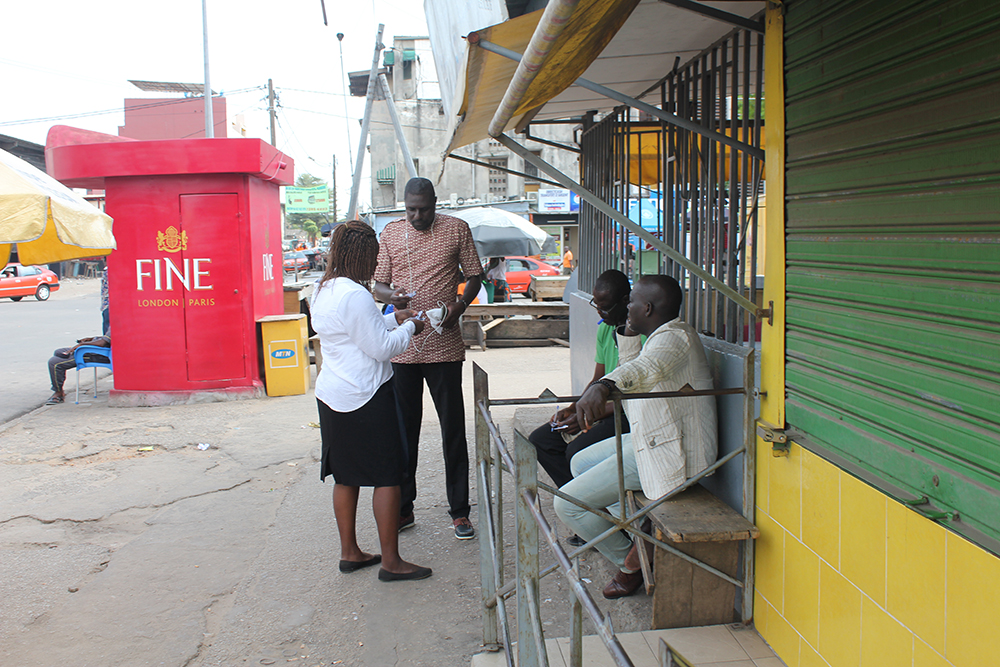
[171, 240]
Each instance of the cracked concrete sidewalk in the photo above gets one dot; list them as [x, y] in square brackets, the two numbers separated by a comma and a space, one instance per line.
[123, 544]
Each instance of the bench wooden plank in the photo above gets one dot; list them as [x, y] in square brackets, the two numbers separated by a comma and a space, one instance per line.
[519, 307]
[697, 515]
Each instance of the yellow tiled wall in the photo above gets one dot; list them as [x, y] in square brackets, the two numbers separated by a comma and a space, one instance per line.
[848, 577]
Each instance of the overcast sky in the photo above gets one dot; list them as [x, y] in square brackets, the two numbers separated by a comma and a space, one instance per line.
[63, 62]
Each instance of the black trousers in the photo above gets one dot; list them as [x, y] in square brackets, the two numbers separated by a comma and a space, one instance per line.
[554, 453]
[445, 383]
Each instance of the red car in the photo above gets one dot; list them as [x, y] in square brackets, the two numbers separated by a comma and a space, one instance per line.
[17, 282]
[295, 260]
[520, 270]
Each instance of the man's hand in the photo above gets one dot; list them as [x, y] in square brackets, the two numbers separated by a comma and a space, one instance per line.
[455, 311]
[591, 407]
[565, 420]
[399, 299]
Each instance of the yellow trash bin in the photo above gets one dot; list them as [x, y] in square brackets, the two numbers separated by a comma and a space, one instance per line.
[286, 356]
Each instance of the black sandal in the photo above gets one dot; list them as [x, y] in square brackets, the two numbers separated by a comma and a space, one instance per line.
[55, 399]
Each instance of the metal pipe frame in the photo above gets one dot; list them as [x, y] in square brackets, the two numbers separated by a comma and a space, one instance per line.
[623, 220]
[411, 169]
[479, 163]
[708, 191]
[555, 144]
[613, 94]
[718, 14]
[352, 209]
[523, 464]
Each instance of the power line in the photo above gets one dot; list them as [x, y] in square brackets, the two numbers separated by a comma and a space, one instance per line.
[85, 114]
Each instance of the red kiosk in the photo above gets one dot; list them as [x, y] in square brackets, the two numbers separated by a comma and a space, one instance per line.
[198, 226]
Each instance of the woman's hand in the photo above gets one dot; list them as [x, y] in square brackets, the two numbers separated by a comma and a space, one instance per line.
[403, 315]
[419, 324]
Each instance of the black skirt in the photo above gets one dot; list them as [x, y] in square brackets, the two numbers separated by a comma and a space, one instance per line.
[364, 447]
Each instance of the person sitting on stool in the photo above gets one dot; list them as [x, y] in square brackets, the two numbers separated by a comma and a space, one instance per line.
[62, 360]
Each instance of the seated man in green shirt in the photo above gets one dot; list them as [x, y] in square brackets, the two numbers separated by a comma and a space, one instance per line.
[611, 293]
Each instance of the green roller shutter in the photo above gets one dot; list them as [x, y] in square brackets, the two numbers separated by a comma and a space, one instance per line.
[893, 246]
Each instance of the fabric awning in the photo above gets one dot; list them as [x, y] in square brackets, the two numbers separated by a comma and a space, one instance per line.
[628, 45]
[593, 24]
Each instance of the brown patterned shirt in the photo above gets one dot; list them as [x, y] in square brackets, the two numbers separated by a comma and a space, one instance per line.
[428, 263]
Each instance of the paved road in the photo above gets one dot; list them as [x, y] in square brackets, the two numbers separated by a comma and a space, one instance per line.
[31, 330]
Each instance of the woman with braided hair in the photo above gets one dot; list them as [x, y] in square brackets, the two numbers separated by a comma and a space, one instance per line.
[362, 440]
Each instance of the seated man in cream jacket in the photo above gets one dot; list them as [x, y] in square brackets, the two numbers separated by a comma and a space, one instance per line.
[676, 438]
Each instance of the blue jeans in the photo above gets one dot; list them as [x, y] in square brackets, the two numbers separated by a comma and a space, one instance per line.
[595, 482]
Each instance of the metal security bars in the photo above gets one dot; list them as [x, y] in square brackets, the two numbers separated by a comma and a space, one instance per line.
[494, 458]
[700, 196]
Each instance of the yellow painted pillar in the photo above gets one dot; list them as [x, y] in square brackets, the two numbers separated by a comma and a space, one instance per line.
[772, 359]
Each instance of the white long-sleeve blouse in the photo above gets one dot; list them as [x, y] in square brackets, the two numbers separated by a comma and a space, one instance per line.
[357, 341]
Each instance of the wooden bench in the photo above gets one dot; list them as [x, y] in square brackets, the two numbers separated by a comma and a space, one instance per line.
[700, 525]
[480, 319]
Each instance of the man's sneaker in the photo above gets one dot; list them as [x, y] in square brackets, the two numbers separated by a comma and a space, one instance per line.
[406, 522]
[464, 529]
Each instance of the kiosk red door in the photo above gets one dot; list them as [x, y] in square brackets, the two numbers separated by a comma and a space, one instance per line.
[213, 310]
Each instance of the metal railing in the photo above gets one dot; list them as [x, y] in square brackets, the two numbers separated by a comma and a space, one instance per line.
[696, 194]
[493, 459]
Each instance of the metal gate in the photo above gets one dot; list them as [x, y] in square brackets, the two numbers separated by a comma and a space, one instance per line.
[695, 193]
[893, 248]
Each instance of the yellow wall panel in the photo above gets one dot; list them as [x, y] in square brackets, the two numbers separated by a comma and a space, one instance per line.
[782, 638]
[784, 501]
[884, 642]
[839, 618]
[973, 638]
[769, 557]
[821, 507]
[760, 609]
[808, 657]
[862, 525]
[763, 488]
[925, 656]
[915, 569]
[802, 589]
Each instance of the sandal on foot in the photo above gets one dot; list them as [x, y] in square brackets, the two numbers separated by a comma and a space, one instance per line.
[55, 399]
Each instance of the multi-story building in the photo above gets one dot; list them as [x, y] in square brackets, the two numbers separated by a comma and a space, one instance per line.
[492, 175]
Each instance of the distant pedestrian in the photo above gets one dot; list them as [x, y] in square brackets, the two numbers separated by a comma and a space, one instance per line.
[362, 435]
[567, 261]
[105, 302]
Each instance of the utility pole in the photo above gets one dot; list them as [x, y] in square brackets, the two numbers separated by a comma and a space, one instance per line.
[271, 110]
[352, 210]
[347, 92]
[209, 120]
[334, 189]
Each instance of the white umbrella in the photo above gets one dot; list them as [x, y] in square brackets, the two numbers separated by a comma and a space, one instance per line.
[48, 221]
[500, 233]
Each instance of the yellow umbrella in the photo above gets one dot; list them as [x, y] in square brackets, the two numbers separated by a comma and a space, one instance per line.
[48, 221]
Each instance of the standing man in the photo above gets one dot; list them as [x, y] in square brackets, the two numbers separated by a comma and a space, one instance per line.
[420, 260]
[567, 261]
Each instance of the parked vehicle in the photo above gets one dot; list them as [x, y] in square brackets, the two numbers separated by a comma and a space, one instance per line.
[17, 282]
[295, 260]
[520, 270]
